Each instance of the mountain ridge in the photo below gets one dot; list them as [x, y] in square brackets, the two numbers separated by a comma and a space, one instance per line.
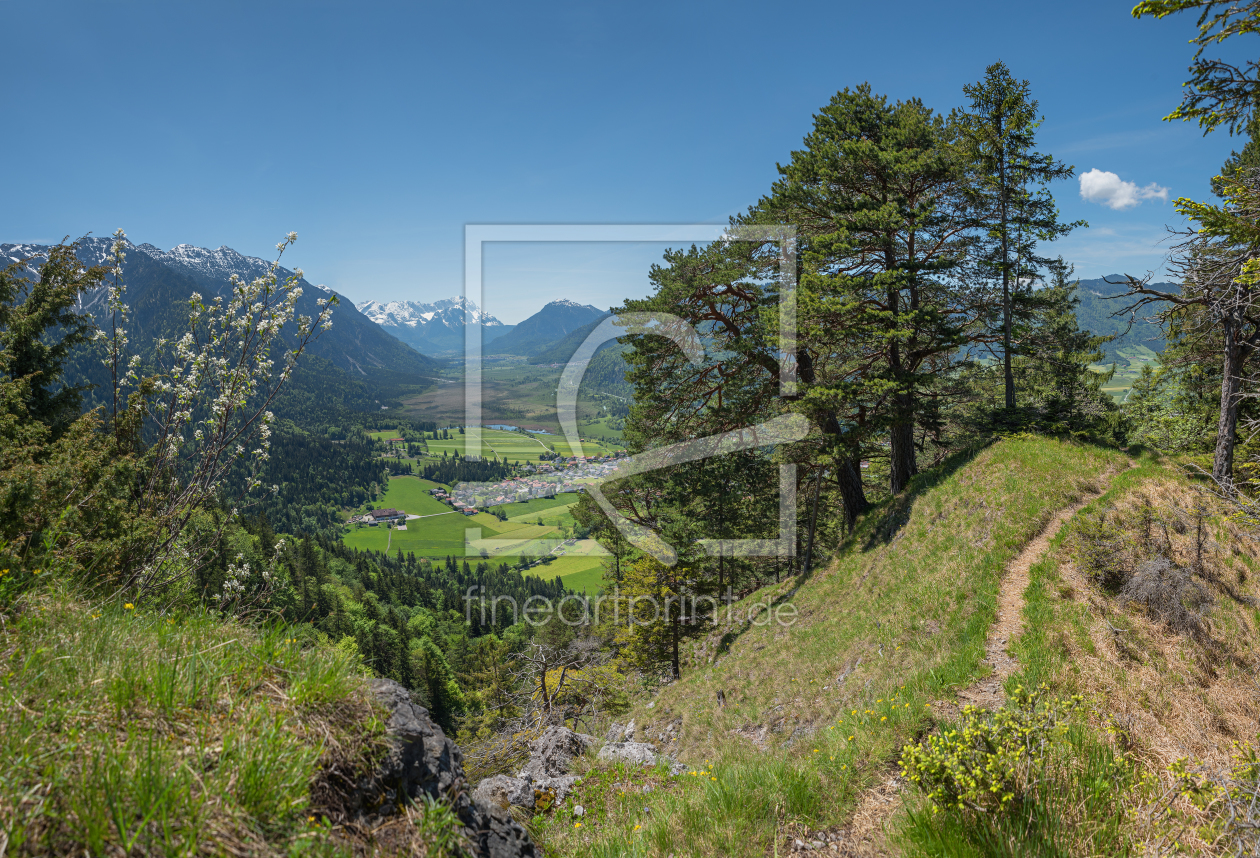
[1094, 313]
[432, 328]
[354, 343]
[555, 321]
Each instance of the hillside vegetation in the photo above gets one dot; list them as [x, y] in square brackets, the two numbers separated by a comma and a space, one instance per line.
[892, 569]
[794, 729]
[141, 732]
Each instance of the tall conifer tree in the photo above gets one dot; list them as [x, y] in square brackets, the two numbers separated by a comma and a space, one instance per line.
[1013, 205]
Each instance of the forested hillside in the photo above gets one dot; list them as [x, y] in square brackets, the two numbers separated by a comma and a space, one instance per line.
[1099, 311]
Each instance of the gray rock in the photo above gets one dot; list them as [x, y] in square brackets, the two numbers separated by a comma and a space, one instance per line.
[505, 791]
[422, 761]
[561, 786]
[620, 733]
[638, 754]
[633, 753]
[551, 755]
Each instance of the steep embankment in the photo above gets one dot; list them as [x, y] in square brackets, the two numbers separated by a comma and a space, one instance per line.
[1038, 569]
[790, 722]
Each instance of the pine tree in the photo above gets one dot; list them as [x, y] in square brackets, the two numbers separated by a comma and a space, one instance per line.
[1013, 206]
[1066, 395]
[39, 327]
[658, 612]
[878, 197]
[1218, 92]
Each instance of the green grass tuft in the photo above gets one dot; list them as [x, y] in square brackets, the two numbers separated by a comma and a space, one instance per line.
[137, 732]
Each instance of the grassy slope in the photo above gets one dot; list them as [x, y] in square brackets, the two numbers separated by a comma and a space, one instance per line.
[1158, 694]
[911, 595]
[137, 732]
[412, 495]
[442, 534]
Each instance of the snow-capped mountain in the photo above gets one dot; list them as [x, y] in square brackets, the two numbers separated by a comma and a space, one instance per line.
[434, 328]
[438, 328]
[158, 280]
[413, 313]
[215, 265]
[92, 251]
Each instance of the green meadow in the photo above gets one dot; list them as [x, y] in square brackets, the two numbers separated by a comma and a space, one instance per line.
[537, 505]
[442, 533]
[582, 574]
[412, 495]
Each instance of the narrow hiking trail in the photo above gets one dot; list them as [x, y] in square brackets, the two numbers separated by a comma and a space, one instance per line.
[876, 805]
[987, 693]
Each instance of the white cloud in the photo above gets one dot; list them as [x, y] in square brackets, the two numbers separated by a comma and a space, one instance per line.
[1099, 186]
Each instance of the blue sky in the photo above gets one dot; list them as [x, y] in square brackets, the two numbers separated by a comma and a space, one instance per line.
[378, 130]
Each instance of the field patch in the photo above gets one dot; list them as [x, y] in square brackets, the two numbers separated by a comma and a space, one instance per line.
[581, 574]
[436, 536]
[412, 495]
[537, 505]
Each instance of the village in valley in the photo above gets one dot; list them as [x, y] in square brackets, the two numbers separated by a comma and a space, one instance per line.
[545, 480]
[523, 519]
[542, 481]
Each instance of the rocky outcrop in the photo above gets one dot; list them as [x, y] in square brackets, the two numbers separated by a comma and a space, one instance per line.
[638, 754]
[548, 776]
[620, 733]
[552, 753]
[505, 791]
[422, 761]
[549, 770]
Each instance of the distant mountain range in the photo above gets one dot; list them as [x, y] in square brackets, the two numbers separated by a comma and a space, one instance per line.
[160, 281]
[554, 333]
[432, 329]
[354, 366]
[375, 349]
[548, 326]
[437, 329]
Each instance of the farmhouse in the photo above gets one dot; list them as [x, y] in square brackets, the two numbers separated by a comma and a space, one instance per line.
[379, 515]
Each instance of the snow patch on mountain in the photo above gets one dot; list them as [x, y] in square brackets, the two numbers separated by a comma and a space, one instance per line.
[410, 314]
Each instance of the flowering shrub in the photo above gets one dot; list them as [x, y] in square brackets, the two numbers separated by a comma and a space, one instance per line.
[209, 405]
[992, 758]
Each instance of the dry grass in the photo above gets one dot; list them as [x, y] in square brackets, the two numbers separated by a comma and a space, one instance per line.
[1181, 695]
[1160, 688]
